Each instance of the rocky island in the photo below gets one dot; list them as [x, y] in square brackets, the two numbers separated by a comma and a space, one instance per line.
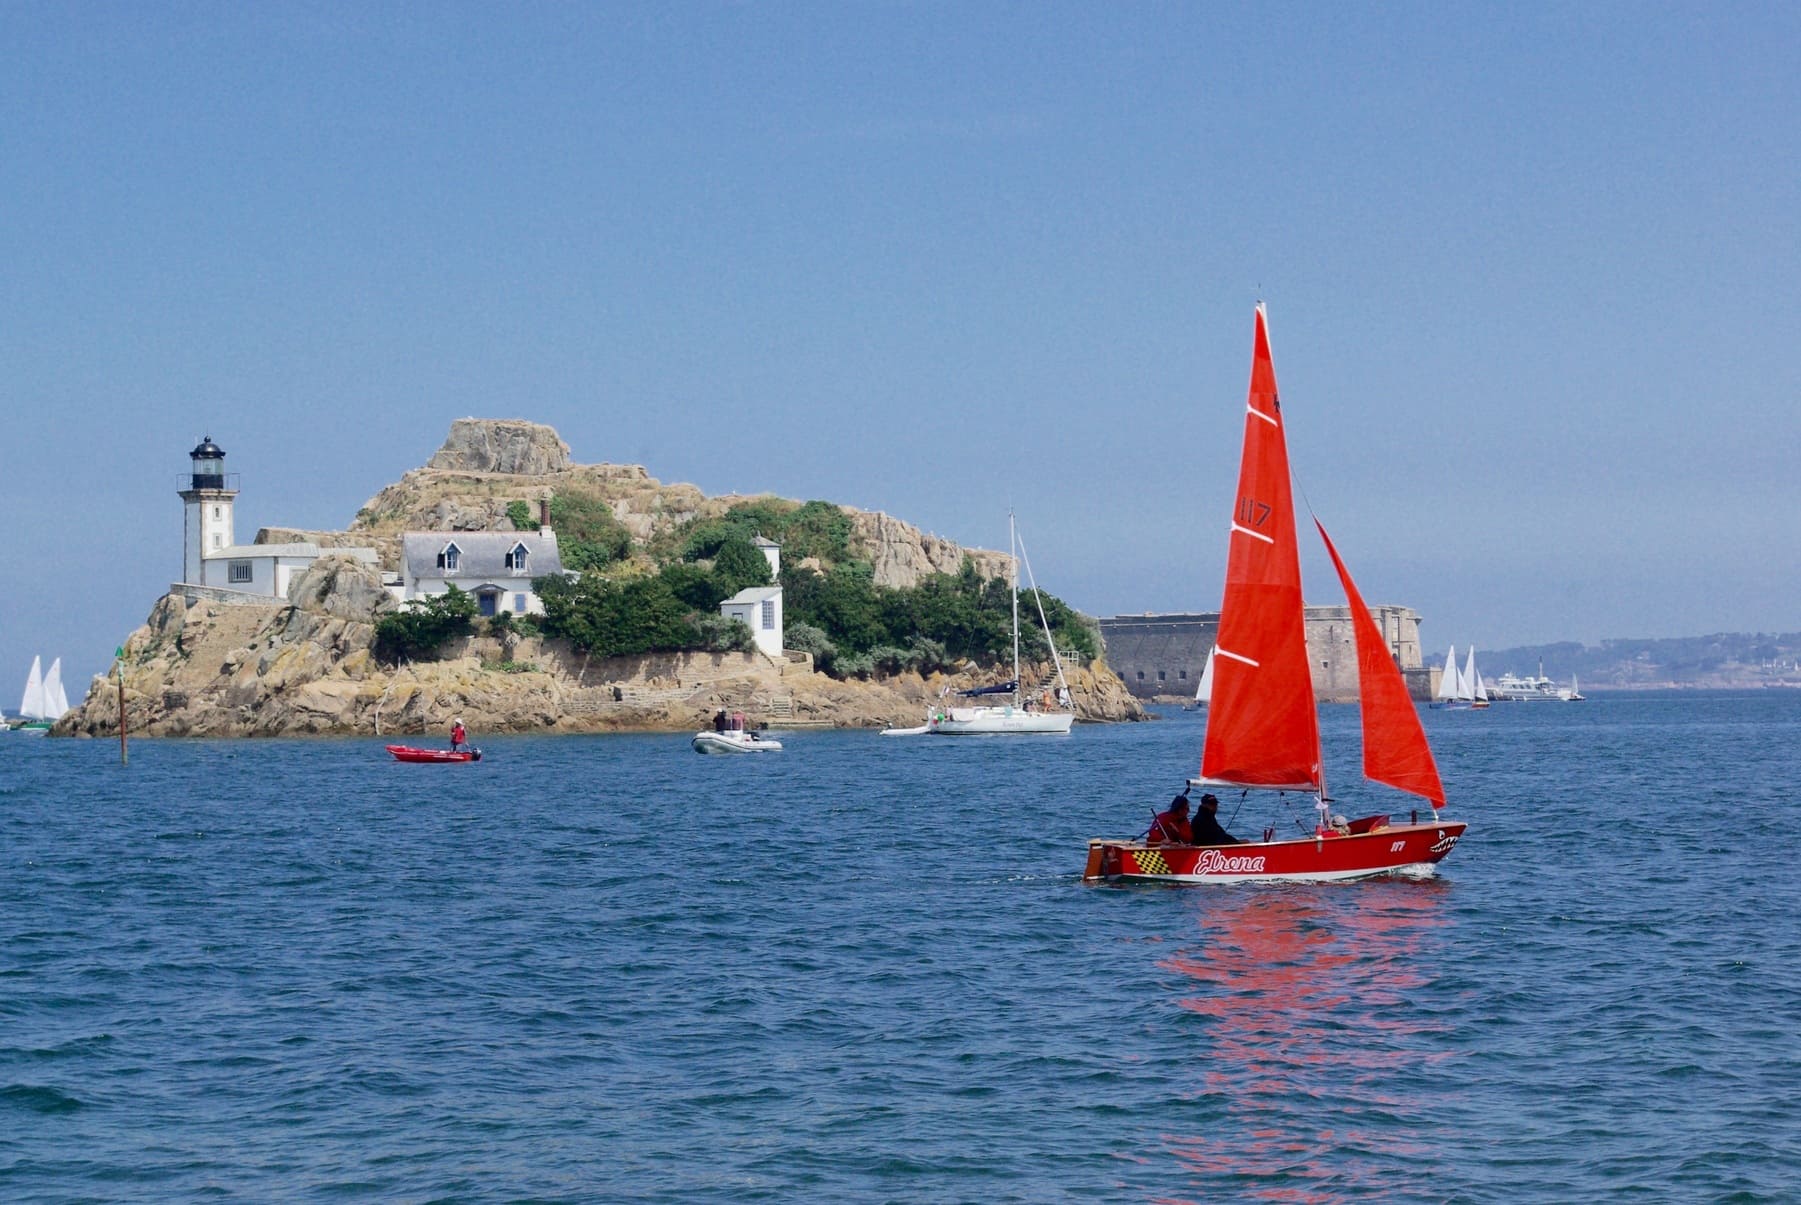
[213, 661]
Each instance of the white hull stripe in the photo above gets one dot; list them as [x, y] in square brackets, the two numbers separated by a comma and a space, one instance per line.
[1411, 870]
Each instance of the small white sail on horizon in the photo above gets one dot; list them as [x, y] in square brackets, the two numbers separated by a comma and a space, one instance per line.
[56, 703]
[44, 699]
[1447, 681]
[1204, 691]
[31, 706]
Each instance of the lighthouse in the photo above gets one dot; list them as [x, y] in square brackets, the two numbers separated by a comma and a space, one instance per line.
[207, 502]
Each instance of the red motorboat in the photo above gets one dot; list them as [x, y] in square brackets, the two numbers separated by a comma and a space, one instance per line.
[1262, 720]
[409, 753]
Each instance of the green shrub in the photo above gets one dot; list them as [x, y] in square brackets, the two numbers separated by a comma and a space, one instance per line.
[817, 529]
[588, 535]
[519, 514]
[422, 625]
[852, 665]
[805, 638]
[616, 618]
[738, 565]
[697, 587]
[722, 634]
[944, 619]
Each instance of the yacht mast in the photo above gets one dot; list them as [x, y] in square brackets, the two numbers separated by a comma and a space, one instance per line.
[1013, 552]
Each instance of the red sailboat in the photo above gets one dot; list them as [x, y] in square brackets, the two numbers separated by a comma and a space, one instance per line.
[1262, 724]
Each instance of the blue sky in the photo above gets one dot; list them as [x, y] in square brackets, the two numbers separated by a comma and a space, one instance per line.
[1532, 275]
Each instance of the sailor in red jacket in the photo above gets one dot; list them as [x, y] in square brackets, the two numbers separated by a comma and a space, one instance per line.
[1171, 827]
[458, 734]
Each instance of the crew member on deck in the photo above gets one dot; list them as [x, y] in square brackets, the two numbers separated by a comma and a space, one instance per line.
[1206, 829]
[1170, 827]
[458, 734]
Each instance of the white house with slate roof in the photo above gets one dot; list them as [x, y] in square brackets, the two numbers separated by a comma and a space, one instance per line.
[495, 566]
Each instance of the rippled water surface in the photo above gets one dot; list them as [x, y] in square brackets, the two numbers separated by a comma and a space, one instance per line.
[866, 969]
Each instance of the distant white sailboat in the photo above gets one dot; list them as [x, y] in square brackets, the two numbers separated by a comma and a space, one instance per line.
[55, 701]
[1204, 691]
[1469, 686]
[44, 701]
[1572, 695]
[1448, 694]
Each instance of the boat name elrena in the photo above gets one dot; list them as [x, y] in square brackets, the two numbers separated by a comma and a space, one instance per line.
[1212, 861]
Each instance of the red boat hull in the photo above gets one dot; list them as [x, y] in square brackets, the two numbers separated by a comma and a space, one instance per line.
[408, 753]
[1406, 850]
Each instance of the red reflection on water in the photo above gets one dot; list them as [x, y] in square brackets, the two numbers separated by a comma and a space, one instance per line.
[1313, 1046]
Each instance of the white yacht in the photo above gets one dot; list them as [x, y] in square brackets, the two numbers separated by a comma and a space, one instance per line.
[1050, 714]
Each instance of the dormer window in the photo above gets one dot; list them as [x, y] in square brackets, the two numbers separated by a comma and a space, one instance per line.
[517, 557]
[450, 558]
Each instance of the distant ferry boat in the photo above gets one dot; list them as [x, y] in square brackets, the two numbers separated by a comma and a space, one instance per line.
[1518, 689]
[1512, 686]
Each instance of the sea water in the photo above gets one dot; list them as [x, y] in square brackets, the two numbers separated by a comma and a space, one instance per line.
[866, 969]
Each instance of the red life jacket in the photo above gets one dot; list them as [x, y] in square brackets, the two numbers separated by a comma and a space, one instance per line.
[1169, 828]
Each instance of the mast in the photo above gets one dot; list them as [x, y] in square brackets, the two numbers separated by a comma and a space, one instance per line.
[1013, 551]
[1038, 598]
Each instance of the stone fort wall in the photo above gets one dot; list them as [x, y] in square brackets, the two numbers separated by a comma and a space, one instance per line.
[1160, 657]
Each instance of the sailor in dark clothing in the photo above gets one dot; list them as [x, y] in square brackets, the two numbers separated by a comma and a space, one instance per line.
[719, 721]
[1206, 827]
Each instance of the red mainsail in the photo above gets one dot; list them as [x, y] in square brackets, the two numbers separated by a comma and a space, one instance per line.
[1394, 745]
[1262, 726]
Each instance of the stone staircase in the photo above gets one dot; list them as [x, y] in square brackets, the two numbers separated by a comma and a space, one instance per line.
[595, 700]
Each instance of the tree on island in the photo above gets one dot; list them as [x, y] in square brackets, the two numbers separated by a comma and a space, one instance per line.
[422, 625]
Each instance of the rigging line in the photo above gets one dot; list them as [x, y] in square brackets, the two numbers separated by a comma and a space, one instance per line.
[1039, 599]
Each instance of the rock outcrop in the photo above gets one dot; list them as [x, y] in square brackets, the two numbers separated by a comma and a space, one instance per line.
[902, 554]
[501, 445]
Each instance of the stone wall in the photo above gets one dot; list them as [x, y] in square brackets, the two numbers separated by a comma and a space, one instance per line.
[1160, 657]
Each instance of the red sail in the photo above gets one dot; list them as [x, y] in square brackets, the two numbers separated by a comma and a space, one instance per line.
[1262, 726]
[1394, 745]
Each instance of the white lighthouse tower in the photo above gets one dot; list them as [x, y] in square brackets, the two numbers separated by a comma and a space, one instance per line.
[207, 510]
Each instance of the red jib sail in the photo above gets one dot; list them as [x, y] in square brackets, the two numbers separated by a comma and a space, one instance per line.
[1262, 726]
[1394, 745]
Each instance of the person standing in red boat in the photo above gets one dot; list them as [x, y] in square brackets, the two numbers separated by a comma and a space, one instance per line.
[1206, 829]
[458, 734]
[1170, 827]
